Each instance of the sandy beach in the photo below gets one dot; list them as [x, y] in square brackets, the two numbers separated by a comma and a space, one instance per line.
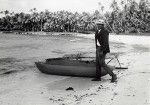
[21, 83]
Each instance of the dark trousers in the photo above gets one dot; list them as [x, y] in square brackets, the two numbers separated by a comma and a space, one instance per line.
[100, 63]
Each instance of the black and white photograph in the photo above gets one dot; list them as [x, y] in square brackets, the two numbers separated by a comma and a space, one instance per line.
[74, 52]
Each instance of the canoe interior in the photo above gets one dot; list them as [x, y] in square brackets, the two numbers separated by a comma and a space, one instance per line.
[70, 62]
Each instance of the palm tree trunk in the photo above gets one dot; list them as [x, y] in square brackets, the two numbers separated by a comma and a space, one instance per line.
[41, 26]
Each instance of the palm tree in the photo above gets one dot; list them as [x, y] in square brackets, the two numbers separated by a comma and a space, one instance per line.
[34, 19]
[41, 19]
[6, 12]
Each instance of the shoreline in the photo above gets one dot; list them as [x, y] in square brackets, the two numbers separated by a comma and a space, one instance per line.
[133, 34]
[69, 33]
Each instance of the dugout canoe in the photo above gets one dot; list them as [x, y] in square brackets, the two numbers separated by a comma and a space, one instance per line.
[67, 67]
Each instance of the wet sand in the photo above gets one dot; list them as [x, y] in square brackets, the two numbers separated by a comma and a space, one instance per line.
[22, 84]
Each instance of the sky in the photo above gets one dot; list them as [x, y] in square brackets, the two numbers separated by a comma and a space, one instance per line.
[54, 5]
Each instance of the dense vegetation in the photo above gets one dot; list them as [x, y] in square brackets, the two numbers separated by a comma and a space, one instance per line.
[130, 17]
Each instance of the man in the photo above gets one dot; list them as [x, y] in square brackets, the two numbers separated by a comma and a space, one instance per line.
[102, 37]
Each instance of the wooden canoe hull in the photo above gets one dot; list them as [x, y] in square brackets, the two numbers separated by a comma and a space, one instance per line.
[69, 68]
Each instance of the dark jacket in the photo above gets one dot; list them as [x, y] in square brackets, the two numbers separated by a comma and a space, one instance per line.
[103, 39]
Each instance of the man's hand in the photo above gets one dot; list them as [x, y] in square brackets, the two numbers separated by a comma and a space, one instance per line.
[107, 54]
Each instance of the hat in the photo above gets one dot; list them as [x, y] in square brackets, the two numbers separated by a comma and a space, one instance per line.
[100, 22]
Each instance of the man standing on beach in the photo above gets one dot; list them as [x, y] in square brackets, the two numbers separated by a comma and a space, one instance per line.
[102, 37]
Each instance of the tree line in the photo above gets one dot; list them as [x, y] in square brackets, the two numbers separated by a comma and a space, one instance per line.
[126, 17]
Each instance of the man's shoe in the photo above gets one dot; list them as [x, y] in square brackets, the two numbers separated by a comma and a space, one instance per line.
[96, 79]
[114, 78]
